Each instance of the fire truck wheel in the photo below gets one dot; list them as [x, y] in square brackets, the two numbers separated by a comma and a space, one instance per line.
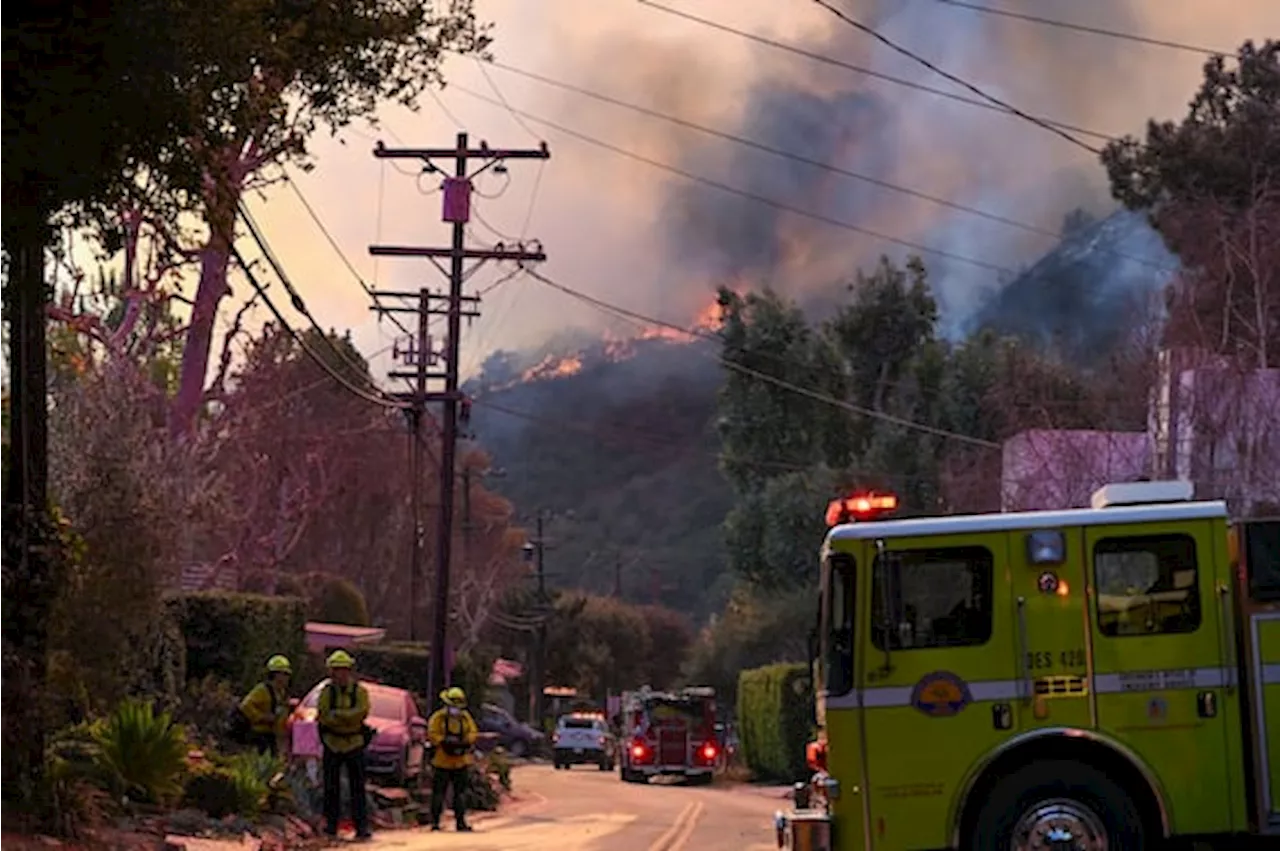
[1056, 801]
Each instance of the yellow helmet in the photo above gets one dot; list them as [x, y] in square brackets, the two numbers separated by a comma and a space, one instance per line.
[454, 696]
[340, 659]
[279, 665]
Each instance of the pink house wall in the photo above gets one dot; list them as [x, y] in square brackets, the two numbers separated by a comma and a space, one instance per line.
[1047, 469]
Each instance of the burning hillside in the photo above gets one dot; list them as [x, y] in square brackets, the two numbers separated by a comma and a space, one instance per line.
[505, 369]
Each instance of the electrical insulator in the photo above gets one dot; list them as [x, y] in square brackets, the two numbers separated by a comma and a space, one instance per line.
[465, 412]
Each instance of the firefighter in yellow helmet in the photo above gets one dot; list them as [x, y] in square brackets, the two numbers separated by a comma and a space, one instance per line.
[266, 707]
[453, 733]
[341, 712]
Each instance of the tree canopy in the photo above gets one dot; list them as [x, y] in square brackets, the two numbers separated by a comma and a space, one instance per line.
[83, 105]
[1212, 185]
[1227, 146]
[874, 398]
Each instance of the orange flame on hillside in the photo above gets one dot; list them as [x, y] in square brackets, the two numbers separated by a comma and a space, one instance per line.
[553, 367]
[707, 321]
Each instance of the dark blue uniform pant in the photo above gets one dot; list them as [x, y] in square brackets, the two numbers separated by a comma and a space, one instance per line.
[442, 779]
[333, 763]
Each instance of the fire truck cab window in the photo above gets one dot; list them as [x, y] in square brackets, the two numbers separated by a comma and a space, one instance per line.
[936, 598]
[837, 626]
[1146, 585]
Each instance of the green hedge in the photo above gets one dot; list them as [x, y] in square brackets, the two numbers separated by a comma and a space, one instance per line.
[401, 664]
[408, 666]
[774, 720]
[231, 636]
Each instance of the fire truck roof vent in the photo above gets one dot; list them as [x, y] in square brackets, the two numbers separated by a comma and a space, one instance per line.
[1142, 493]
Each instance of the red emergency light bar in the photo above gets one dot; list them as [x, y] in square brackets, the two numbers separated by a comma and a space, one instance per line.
[866, 506]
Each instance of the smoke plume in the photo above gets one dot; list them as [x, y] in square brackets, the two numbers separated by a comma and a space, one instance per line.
[702, 237]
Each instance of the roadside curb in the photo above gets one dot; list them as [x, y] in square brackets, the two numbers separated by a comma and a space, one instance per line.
[775, 792]
[515, 805]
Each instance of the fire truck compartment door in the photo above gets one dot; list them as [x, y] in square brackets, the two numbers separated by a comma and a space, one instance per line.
[1051, 634]
[929, 716]
[1163, 678]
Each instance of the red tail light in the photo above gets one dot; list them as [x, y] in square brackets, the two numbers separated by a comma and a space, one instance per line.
[638, 750]
[709, 751]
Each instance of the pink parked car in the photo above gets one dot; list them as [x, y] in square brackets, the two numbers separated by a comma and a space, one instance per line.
[398, 750]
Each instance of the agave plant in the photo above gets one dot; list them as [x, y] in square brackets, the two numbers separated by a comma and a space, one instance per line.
[255, 776]
[145, 751]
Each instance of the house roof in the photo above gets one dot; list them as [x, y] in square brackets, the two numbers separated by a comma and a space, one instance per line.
[359, 634]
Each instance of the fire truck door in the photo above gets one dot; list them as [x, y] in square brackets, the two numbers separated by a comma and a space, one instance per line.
[1047, 569]
[1162, 644]
[937, 664]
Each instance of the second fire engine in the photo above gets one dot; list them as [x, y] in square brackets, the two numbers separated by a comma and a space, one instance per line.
[669, 733]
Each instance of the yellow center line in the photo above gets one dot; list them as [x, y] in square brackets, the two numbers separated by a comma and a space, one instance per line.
[661, 843]
[687, 831]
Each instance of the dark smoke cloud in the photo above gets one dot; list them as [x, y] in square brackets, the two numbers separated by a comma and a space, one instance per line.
[734, 238]
[973, 156]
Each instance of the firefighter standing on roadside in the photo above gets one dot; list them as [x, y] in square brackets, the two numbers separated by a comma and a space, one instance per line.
[266, 706]
[341, 712]
[453, 733]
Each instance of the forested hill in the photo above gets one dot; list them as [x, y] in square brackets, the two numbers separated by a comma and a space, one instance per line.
[1080, 299]
[622, 455]
[620, 445]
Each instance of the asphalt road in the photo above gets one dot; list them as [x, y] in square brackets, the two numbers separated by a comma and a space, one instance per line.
[589, 810]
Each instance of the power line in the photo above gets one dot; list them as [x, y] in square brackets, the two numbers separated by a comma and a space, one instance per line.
[1005, 105]
[1134, 37]
[515, 116]
[298, 392]
[364, 285]
[301, 341]
[858, 69]
[743, 193]
[653, 442]
[294, 296]
[765, 377]
[800, 158]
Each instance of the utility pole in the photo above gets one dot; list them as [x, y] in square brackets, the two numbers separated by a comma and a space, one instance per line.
[457, 212]
[537, 549]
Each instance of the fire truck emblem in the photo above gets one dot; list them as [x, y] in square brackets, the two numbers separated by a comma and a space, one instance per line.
[1157, 709]
[941, 694]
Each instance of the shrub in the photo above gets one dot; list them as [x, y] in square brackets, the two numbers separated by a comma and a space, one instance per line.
[72, 794]
[339, 601]
[481, 793]
[241, 784]
[403, 665]
[213, 791]
[773, 720]
[232, 635]
[499, 767]
[471, 672]
[145, 752]
[204, 709]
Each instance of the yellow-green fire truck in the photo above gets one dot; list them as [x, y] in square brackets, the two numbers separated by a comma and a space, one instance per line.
[1095, 678]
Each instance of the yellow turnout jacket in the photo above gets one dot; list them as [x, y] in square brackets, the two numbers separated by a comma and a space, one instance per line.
[267, 709]
[457, 729]
[341, 713]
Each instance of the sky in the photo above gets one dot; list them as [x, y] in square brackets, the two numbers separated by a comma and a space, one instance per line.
[658, 243]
